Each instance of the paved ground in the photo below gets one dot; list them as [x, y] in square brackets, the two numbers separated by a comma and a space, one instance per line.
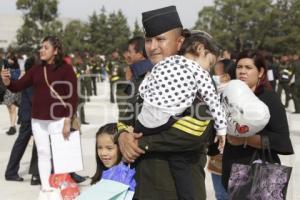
[98, 112]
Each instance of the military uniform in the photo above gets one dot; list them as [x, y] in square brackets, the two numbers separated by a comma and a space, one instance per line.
[117, 77]
[80, 73]
[188, 135]
[285, 75]
[296, 86]
[96, 71]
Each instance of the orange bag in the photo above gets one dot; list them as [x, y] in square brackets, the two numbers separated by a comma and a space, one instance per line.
[68, 187]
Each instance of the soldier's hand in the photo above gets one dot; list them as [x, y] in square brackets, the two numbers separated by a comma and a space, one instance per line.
[128, 143]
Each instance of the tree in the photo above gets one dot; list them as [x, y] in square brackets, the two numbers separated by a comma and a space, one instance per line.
[137, 31]
[74, 37]
[39, 21]
[119, 31]
[98, 29]
[258, 24]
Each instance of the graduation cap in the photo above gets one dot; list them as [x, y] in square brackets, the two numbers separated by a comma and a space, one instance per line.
[161, 20]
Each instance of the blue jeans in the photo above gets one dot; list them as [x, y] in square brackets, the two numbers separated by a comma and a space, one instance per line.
[220, 191]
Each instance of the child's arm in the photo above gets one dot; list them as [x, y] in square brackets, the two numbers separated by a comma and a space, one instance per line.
[212, 100]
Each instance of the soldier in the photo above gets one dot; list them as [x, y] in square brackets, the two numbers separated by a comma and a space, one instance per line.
[86, 78]
[154, 181]
[116, 73]
[296, 84]
[285, 75]
[95, 63]
[80, 71]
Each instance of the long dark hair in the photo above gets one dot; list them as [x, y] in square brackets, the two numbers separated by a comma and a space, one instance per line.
[110, 129]
[14, 58]
[229, 67]
[57, 44]
[194, 38]
[260, 63]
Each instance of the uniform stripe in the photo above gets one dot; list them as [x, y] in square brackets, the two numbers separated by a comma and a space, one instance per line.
[196, 121]
[115, 78]
[187, 130]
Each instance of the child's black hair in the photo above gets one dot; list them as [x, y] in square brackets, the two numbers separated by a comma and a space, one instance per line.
[193, 39]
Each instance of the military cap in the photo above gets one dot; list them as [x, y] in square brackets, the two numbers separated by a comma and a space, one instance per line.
[161, 20]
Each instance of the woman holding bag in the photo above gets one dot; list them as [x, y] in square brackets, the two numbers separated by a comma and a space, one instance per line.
[251, 68]
[49, 114]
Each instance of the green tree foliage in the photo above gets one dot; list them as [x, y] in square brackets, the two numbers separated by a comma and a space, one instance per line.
[103, 33]
[108, 31]
[119, 31]
[262, 24]
[98, 29]
[137, 31]
[39, 21]
[75, 36]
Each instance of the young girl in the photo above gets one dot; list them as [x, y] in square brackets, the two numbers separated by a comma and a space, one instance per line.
[107, 151]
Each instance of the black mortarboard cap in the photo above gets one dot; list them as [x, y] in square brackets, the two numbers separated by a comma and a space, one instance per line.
[161, 20]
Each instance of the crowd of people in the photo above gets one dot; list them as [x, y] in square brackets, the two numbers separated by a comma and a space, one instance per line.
[169, 93]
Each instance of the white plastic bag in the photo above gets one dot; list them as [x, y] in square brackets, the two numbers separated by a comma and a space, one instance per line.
[246, 114]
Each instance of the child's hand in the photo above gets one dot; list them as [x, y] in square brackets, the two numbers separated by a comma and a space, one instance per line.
[221, 139]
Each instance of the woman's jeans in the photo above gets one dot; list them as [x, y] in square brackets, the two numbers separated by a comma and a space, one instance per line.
[220, 191]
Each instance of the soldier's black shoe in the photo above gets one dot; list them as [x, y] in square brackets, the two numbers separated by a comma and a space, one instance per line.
[12, 130]
[14, 178]
[35, 180]
[86, 123]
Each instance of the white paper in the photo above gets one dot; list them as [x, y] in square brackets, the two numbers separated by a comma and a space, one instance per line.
[270, 75]
[66, 154]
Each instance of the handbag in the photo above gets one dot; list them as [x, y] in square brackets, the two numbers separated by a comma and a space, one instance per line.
[75, 121]
[259, 180]
[215, 164]
[68, 188]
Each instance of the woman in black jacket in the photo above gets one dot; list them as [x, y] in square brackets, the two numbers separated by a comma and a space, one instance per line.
[251, 68]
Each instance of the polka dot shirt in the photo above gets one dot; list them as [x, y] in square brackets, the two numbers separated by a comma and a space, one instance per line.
[173, 84]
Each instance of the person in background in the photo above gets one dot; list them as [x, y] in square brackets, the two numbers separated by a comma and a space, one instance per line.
[223, 73]
[284, 79]
[252, 69]
[25, 133]
[139, 65]
[2, 86]
[12, 100]
[296, 85]
[115, 68]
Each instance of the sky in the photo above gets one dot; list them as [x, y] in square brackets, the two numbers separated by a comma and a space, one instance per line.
[132, 9]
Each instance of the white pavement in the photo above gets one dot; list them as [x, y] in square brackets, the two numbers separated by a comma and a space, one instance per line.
[98, 112]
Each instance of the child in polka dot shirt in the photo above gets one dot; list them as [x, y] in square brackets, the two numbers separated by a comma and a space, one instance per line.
[173, 85]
